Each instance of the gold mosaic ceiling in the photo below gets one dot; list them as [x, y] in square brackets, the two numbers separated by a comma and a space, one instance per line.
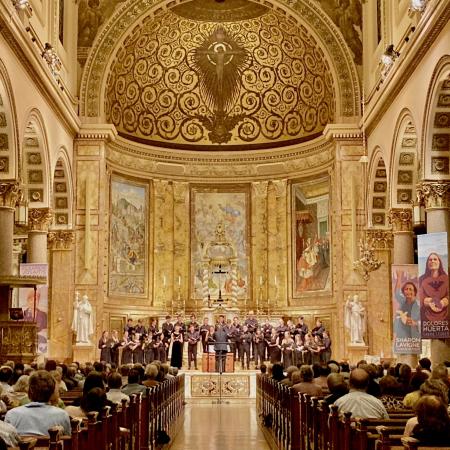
[209, 75]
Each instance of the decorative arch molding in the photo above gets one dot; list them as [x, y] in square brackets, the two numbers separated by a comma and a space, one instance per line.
[435, 148]
[404, 162]
[62, 192]
[9, 138]
[306, 12]
[378, 191]
[36, 161]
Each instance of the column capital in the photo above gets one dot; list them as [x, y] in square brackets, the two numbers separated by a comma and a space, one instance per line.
[39, 219]
[60, 239]
[380, 239]
[10, 193]
[434, 194]
[400, 219]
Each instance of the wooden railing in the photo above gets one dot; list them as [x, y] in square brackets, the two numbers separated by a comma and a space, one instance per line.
[140, 424]
[292, 421]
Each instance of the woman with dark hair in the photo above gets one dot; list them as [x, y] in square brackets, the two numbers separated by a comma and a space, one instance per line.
[389, 390]
[94, 400]
[277, 372]
[433, 289]
[274, 347]
[433, 421]
[105, 348]
[177, 347]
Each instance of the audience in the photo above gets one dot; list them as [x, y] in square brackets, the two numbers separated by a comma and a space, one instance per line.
[114, 394]
[94, 400]
[358, 401]
[289, 371]
[390, 388]
[134, 386]
[337, 386]
[425, 365]
[418, 378]
[307, 385]
[36, 417]
[5, 377]
[151, 373]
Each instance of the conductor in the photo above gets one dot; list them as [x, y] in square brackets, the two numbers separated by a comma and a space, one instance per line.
[221, 344]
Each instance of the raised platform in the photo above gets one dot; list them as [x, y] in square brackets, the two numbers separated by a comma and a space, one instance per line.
[237, 385]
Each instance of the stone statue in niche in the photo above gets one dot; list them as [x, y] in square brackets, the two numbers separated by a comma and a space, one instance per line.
[355, 319]
[82, 324]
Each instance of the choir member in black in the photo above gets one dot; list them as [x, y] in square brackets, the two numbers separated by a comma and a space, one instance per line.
[298, 350]
[246, 342]
[318, 329]
[193, 321]
[267, 331]
[309, 346]
[140, 328]
[258, 339]
[129, 327]
[160, 348]
[181, 324]
[290, 327]
[115, 345]
[136, 347]
[204, 333]
[147, 348]
[221, 344]
[252, 325]
[127, 354]
[153, 328]
[210, 339]
[315, 349]
[236, 338]
[281, 329]
[325, 351]
[167, 330]
[301, 328]
[274, 347]
[105, 347]
[287, 348]
[192, 337]
[177, 347]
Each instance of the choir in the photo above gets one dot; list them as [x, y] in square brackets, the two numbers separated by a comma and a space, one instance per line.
[286, 343]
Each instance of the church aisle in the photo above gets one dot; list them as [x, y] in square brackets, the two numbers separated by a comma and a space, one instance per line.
[218, 427]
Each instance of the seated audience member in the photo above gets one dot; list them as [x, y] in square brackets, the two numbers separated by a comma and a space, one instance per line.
[56, 374]
[38, 416]
[337, 386]
[93, 401]
[389, 389]
[433, 421]
[425, 365]
[358, 401]
[2, 403]
[440, 373]
[418, 378]
[288, 380]
[69, 378]
[9, 435]
[263, 370]
[430, 387]
[17, 372]
[114, 394]
[151, 373]
[321, 380]
[5, 377]
[404, 378]
[166, 368]
[307, 385]
[133, 386]
[345, 370]
[373, 388]
[334, 366]
[277, 372]
[19, 395]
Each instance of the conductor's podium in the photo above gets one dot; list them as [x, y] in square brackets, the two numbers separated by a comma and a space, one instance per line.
[209, 362]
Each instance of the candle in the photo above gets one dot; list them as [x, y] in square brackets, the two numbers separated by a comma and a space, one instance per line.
[164, 280]
[260, 280]
[276, 281]
[179, 280]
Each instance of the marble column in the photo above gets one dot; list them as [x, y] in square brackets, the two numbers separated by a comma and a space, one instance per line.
[435, 195]
[39, 220]
[9, 194]
[403, 253]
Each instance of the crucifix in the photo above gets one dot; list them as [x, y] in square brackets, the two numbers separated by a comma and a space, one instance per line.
[220, 272]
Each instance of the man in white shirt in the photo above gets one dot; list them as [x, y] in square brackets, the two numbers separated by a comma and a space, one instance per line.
[114, 394]
[37, 417]
[358, 401]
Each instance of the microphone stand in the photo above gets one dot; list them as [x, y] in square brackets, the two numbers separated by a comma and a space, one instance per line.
[219, 401]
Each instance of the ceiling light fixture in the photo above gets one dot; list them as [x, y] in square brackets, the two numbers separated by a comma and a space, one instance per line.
[418, 5]
[387, 60]
[21, 4]
[52, 59]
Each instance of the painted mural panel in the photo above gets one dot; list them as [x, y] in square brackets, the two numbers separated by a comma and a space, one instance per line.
[311, 237]
[128, 238]
[227, 210]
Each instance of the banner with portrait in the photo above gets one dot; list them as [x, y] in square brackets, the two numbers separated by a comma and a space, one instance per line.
[406, 310]
[433, 285]
[36, 310]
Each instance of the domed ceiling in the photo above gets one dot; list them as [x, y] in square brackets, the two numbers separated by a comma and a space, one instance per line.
[210, 75]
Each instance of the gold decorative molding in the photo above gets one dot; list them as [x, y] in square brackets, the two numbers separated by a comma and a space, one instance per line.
[61, 239]
[380, 239]
[10, 193]
[434, 194]
[400, 219]
[367, 262]
[39, 219]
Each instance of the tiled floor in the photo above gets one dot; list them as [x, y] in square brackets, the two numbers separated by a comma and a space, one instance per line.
[210, 426]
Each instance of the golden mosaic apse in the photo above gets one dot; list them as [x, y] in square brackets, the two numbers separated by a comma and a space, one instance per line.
[250, 78]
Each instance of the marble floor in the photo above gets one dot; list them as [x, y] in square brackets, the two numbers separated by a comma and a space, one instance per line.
[210, 426]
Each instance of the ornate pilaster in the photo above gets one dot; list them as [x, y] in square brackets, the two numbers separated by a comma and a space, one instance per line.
[400, 219]
[9, 194]
[380, 239]
[434, 194]
[281, 246]
[39, 219]
[61, 240]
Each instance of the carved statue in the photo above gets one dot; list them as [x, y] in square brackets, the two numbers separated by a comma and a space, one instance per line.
[355, 319]
[82, 323]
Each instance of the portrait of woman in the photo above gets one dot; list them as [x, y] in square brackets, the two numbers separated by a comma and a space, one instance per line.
[433, 290]
[407, 315]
